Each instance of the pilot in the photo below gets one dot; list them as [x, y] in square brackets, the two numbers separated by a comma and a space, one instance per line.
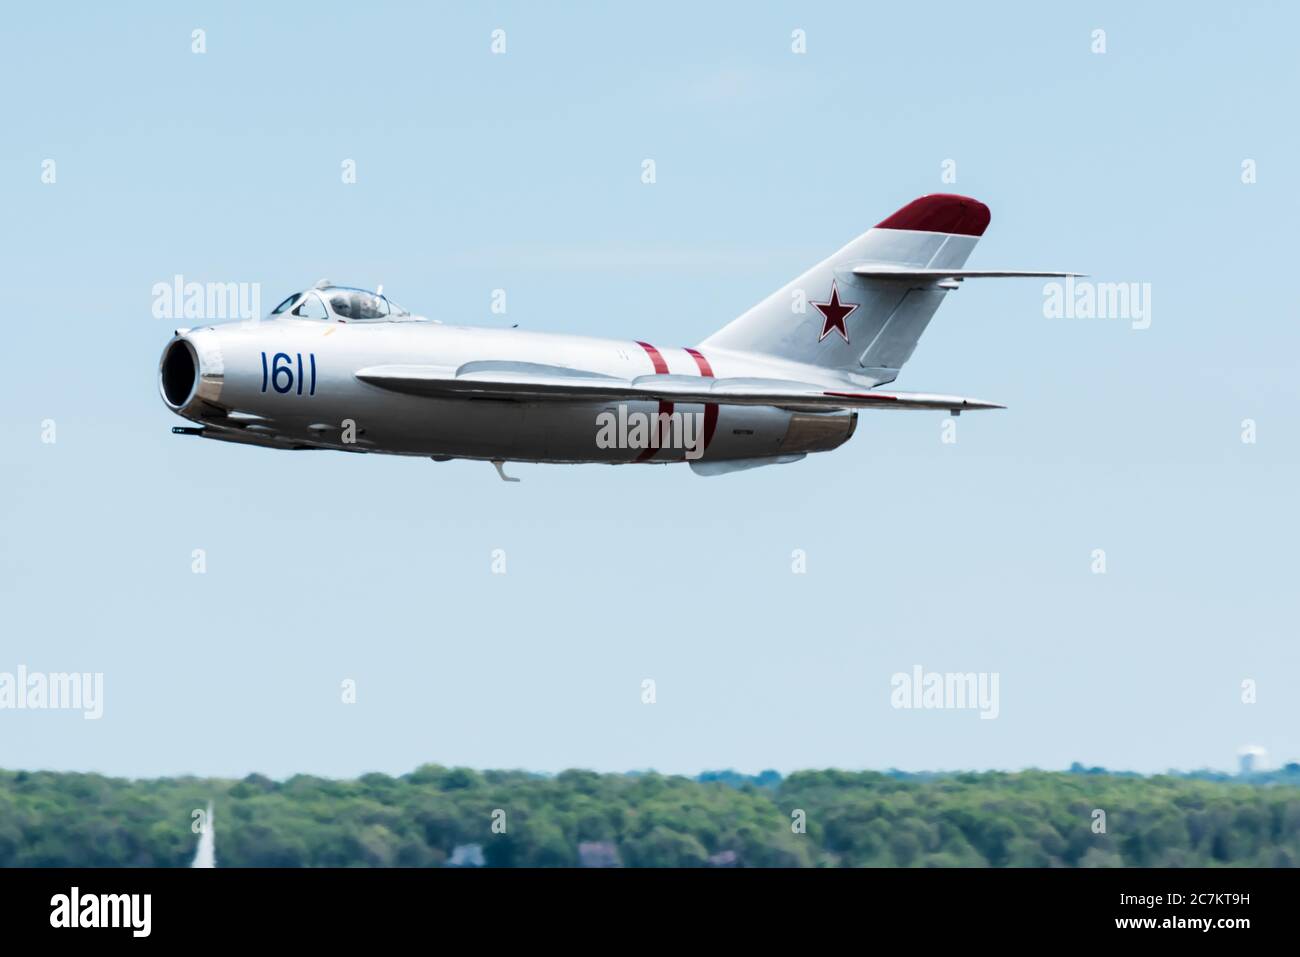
[342, 305]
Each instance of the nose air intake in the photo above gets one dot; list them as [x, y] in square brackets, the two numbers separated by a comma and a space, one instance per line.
[178, 373]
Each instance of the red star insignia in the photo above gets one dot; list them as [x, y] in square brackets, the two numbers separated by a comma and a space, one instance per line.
[835, 313]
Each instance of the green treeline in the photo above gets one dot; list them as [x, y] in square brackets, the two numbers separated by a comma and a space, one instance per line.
[1031, 818]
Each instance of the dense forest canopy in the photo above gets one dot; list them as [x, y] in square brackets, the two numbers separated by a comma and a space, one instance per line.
[516, 818]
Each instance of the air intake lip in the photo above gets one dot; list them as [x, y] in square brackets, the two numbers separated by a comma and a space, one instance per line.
[178, 373]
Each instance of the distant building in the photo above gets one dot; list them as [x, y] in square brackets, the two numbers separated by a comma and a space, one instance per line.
[598, 854]
[1251, 758]
[467, 855]
[724, 859]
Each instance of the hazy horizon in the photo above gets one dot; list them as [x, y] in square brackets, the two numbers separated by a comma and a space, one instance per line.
[772, 609]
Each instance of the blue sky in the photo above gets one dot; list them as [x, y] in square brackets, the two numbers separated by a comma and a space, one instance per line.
[522, 171]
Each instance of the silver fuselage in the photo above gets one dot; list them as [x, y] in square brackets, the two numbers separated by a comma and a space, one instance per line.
[291, 383]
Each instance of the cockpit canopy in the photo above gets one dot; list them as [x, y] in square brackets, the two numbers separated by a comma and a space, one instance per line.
[341, 304]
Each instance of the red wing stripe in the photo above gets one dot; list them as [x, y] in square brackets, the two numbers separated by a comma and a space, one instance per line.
[710, 411]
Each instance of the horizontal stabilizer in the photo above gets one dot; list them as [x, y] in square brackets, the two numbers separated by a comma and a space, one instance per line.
[890, 271]
[526, 382]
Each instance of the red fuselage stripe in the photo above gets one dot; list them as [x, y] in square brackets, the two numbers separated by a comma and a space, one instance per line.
[665, 408]
[710, 411]
[656, 357]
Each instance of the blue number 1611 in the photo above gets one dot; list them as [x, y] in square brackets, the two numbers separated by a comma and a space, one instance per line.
[279, 375]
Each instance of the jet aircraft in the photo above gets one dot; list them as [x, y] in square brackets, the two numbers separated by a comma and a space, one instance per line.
[334, 367]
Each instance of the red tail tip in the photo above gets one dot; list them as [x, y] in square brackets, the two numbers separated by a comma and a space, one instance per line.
[941, 213]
